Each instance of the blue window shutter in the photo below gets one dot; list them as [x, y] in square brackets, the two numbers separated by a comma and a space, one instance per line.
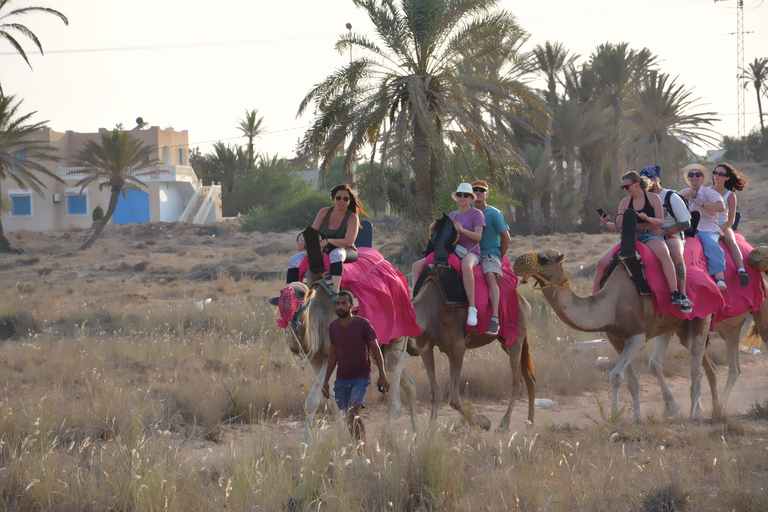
[77, 204]
[22, 205]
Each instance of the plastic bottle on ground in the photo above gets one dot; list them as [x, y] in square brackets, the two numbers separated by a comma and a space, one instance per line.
[545, 402]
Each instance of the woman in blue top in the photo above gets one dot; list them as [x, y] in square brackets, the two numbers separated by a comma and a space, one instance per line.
[469, 223]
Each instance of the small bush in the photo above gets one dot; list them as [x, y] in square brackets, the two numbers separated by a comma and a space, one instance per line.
[98, 213]
[296, 212]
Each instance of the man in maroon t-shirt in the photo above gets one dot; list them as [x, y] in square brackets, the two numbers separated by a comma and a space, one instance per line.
[351, 339]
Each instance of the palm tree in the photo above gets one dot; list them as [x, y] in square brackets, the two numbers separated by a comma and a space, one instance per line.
[223, 165]
[615, 72]
[21, 154]
[414, 75]
[9, 28]
[660, 121]
[251, 128]
[533, 185]
[118, 163]
[757, 76]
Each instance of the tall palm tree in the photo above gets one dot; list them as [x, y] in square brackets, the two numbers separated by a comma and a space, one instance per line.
[615, 72]
[223, 165]
[757, 76]
[251, 129]
[118, 163]
[551, 61]
[661, 122]
[10, 28]
[21, 154]
[413, 73]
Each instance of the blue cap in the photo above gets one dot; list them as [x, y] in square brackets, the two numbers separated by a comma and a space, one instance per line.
[651, 172]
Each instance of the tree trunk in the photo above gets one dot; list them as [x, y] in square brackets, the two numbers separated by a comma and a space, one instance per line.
[5, 245]
[421, 171]
[537, 217]
[110, 210]
[594, 198]
[760, 112]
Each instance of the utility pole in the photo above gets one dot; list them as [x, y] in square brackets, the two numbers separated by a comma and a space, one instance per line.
[349, 27]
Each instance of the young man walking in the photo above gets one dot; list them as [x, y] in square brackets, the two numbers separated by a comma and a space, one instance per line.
[493, 247]
[677, 219]
[352, 337]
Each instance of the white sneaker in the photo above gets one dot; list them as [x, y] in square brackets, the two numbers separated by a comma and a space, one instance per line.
[472, 316]
[721, 285]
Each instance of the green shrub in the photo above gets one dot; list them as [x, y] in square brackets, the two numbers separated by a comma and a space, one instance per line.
[98, 213]
[294, 213]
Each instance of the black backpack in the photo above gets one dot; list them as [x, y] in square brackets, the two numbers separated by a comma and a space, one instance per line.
[695, 216]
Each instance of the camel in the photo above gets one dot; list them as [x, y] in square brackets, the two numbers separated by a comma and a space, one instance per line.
[444, 327]
[308, 338]
[626, 317]
[730, 330]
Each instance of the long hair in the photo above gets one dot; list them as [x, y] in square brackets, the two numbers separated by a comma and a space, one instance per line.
[736, 180]
[355, 204]
[634, 177]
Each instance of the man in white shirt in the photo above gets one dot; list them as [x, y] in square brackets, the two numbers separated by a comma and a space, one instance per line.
[675, 222]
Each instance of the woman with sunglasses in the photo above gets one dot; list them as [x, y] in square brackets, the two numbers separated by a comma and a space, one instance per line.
[469, 223]
[650, 214]
[708, 203]
[725, 181]
[339, 223]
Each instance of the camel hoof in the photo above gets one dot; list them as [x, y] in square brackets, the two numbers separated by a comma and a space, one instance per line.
[483, 422]
[671, 409]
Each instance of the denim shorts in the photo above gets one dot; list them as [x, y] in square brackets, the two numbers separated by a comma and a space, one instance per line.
[644, 237]
[350, 391]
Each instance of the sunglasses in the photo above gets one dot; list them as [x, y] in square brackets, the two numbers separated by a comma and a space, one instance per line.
[717, 173]
[479, 190]
[343, 198]
[626, 187]
[695, 174]
[463, 194]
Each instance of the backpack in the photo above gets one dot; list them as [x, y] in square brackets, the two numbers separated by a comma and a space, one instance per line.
[695, 216]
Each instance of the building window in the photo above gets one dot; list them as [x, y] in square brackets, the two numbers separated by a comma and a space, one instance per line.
[22, 205]
[77, 204]
[181, 156]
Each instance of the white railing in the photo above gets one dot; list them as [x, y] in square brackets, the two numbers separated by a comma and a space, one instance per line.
[192, 204]
[210, 199]
[163, 172]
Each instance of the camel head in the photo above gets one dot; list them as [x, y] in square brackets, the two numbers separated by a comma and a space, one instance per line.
[758, 258]
[293, 304]
[545, 267]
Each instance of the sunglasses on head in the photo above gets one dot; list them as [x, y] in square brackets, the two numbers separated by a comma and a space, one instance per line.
[478, 189]
[695, 174]
[718, 173]
[343, 198]
[626, 187]
[463, 194]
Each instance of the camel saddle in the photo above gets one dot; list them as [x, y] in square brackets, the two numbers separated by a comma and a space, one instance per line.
[628, 255]
[442, 242]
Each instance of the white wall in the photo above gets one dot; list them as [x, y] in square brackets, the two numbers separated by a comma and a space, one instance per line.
[173, 200]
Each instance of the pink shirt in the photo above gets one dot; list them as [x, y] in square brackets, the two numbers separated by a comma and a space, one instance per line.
[708, 220]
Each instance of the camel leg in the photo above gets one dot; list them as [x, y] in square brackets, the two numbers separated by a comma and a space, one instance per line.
[526, 365]
[456, 361]
[428, 358]
[409, 386]
[731, 338]
[632, 345]
[633, 385]
[394, 359]
[709, 371]
[671, 407]
[517, 382]
[697, 342]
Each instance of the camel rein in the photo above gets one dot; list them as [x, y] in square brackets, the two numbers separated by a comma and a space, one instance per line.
[547, 282]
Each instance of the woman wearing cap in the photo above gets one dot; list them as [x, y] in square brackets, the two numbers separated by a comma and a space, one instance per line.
[708, 203]
[469, 223]
[726, 180]
[650, 214]
[339, 243]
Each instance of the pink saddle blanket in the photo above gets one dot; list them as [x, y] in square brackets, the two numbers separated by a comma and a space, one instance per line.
[382, 294]
[738, 299]
[700, 287]
[509, 308]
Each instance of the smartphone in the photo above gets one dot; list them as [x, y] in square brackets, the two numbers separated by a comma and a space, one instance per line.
[381, 389]
[600, 212]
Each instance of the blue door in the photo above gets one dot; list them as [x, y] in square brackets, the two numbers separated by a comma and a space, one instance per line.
[132, 208]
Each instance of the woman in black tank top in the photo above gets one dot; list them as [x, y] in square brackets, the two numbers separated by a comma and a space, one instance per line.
[339, 241]
[650, 215]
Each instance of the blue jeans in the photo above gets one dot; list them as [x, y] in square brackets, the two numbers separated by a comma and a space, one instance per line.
[644, 237]
[712, 250]
[350, 391]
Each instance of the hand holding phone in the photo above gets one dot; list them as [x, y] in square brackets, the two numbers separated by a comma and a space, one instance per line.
[600, 212]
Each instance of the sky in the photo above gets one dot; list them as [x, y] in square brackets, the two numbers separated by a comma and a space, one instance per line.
[198, 66]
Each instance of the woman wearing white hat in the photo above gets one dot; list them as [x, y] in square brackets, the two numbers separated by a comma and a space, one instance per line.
[708, 203]
[469, 223]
